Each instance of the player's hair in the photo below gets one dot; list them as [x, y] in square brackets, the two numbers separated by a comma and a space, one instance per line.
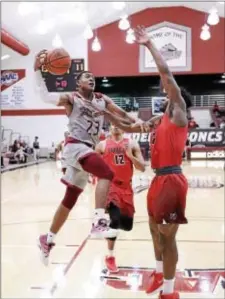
[81, 74]
[186, 96]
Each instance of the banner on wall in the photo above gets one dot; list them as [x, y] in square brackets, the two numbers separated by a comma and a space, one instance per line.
[174, 43]
[204, 137]
[13, 88]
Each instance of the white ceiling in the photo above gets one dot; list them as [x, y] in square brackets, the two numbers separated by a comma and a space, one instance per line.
[61, 15]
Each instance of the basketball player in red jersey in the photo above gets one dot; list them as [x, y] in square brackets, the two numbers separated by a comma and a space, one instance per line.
[121, 154]
[167, 193]
[79, 155]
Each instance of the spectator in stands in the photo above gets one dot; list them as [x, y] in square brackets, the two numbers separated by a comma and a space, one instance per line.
[192, 124]
[36, 148]
[212, 125]
[216, 109]
[14, 148]
[222, 123]
[136, 105]
[127, 105]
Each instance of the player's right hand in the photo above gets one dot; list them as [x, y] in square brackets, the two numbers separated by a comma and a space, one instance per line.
[40, 59]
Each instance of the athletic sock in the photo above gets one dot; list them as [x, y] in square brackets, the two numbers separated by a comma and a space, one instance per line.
[159, 267]
[168, 286]
[110, 253]
[50, 237]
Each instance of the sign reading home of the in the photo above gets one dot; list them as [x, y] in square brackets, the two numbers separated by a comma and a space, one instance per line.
[174, 43]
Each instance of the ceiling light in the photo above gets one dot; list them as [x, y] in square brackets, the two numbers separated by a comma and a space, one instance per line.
[25, 8]
[124, 23]
[119, 5]
[5, 57]
[223, 76]
[205, 33]
[213, 18]
[88, 33]
[105, 80]
[96, 46]
[57, 41]
[130, 36]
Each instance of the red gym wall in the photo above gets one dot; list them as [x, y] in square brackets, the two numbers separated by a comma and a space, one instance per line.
[117, 58]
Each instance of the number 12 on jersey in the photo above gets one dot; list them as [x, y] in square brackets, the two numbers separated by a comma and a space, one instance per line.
[119, 159]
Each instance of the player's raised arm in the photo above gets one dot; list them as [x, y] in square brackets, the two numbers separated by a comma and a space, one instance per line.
[51, 98]
[169, 83]
[134, 153]
[115, 109]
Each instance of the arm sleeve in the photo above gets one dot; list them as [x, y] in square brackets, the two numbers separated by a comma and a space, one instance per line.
[47, 97]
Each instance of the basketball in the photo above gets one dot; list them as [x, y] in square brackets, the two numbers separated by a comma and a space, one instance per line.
[58, 61]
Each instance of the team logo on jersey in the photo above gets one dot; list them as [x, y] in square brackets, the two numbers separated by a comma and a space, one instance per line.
[202, 281]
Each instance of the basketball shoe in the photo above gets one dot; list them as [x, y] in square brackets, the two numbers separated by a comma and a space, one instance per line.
[101, 229]
[155, 282]
[45, 248]
[174, 295]
[110, 263]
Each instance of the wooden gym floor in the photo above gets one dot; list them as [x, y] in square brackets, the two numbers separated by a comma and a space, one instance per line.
[29, 199]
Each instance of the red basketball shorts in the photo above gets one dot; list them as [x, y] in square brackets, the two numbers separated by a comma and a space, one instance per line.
[166, 199]
[123, 198]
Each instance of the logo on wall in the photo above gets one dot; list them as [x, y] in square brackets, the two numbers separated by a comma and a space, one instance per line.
[12, 88]
[207, 137]
[174, 43]
[10, 77]
[201, 281]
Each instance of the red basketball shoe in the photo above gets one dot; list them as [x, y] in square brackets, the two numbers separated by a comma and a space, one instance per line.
[155, 282]
[174, 295]
[110, 263]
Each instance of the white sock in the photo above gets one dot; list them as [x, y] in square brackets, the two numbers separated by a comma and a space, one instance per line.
[50, 237]
[99, 213]
[168, 286]
[110, 253]
[159, 267]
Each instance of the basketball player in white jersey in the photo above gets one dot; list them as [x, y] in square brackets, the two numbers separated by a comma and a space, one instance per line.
[85, 126]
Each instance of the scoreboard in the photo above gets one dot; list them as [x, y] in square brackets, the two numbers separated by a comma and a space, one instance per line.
[66, 82]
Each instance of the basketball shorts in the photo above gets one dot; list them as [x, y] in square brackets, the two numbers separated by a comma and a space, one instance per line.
[79, 160]
[166, 199]
[122, 198]
[74, 174]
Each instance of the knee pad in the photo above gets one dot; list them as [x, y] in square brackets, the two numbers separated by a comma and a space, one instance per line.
[94, 164]
[71, 196]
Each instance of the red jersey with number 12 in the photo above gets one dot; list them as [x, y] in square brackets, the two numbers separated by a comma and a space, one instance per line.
[167, 144]
[115, 156]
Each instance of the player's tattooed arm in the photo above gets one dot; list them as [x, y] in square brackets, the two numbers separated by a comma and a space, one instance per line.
[168, 81]
[115, 109]
[134, 153]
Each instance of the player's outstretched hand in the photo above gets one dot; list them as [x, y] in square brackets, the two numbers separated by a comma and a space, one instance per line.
[141, 35]
[40, 59]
